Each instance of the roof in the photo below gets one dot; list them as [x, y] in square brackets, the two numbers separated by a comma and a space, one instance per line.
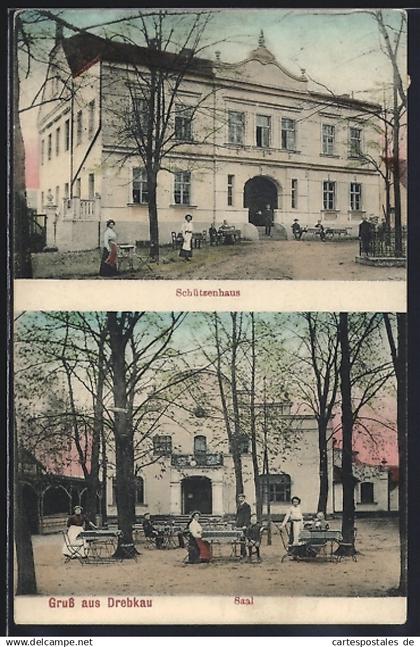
[345, 101]
[85, 49]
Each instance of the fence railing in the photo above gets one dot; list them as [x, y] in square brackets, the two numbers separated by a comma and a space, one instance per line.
[37, 231]
[197, 460]
[383, 245]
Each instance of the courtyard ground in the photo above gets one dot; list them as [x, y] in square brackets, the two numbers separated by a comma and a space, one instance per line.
[259, 260]
[162, 572]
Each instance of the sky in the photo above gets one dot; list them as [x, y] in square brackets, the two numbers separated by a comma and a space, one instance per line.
[339, 50]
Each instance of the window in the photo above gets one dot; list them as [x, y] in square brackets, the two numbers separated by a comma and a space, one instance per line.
[139, 491]
[79, 127]
[236, 127]
[140, 192]
[230, 190]
[200, 444]
[91, 122]
[263, 131]
[355, 196]
[67, 134]
[328, 139]
[141, 114]
[367, 493]
[57, 194]
[242, 443]
[162, 445]
[49, 149]
[294, 194]
[183, 123]
[182, 187]
[288, 134]
[57, 141]
[355, 142]
[66, 190]
[42, 151]
[328, 199]
[91, 186]
[78, 189]
[279, 487]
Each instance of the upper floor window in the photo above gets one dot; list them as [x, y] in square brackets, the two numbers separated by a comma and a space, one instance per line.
[42, 151]
[294, 194]
[67, 134]
[236, 127]
[200, 444]
[182, 187]
[355, 142]
[355, 196]
[141, 114]
[242, 443]
[140, 190]
[139, 490]
[91, 118]
[49, 146]
[288, 134]
[328, 195]
[230, 180]
[183, 123]
[263, 131]
[162, 445]
[367, 493]
[57, 141]
[328, 139]
[79, 127]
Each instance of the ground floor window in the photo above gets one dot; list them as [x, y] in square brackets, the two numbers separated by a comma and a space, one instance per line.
[367, 493]
[328, 195]
[355, 196]
[140, 190]
[182, 187]
[279, 487]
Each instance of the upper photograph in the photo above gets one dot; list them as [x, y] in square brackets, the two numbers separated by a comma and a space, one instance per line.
[209, 144]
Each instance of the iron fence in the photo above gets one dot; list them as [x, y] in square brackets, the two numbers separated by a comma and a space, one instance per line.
[382, 244]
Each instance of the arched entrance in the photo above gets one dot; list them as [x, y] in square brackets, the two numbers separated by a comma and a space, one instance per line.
[196, 495]
[258, 192]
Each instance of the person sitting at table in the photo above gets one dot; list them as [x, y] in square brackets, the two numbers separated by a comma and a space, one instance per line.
[321, 230]
[253, 538]
[297, 229]
[151, 532]
[319, 522]
[227, 232]
[198, 549]
[76, 523]
[294, 518]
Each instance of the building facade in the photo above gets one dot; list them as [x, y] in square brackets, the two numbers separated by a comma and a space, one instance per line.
[247, 134]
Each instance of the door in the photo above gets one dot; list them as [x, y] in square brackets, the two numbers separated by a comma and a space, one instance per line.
[196, 495]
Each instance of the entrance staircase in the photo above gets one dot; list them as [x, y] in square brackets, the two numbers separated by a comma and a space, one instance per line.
[278, 232]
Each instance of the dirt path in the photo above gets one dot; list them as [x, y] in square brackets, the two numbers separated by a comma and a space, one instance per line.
[288, 260]
[164, 573]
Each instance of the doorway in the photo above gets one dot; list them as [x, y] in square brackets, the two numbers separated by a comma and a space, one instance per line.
[196, 495]
[258, 192]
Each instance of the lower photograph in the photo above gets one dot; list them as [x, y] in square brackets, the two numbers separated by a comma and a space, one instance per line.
[209, 468]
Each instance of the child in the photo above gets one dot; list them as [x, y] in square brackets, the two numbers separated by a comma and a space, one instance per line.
[253, 538]
[319, 522]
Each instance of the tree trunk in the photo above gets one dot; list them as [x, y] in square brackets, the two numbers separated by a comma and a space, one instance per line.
[347, 431]
[93, 483]
[236, 440]
[153, 216]
[255, 466]
[20, 216]
[124, 450]
[323, 466]
[402, 446]
[396, 175]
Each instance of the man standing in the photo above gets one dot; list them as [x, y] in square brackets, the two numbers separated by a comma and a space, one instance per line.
[365, 235]
[268, 219]
[243, 519]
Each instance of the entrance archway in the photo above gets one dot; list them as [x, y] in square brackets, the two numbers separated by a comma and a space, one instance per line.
[196, 495]
[258, 192]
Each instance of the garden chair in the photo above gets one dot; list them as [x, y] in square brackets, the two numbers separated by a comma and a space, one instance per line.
[75, 550]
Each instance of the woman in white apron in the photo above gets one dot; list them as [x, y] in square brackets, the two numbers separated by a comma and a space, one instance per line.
[294, 518]
[75, 524]
[187, 234]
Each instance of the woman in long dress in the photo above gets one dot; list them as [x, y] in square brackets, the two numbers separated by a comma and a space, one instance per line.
[187, 234]
[294, 518]
[109, 259]
[76, 523]
[198, 549]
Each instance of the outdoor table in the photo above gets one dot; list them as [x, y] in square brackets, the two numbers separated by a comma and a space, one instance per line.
[232, 537]
[100, 544]
[230, 235]
[315, 539]
[126, 253]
